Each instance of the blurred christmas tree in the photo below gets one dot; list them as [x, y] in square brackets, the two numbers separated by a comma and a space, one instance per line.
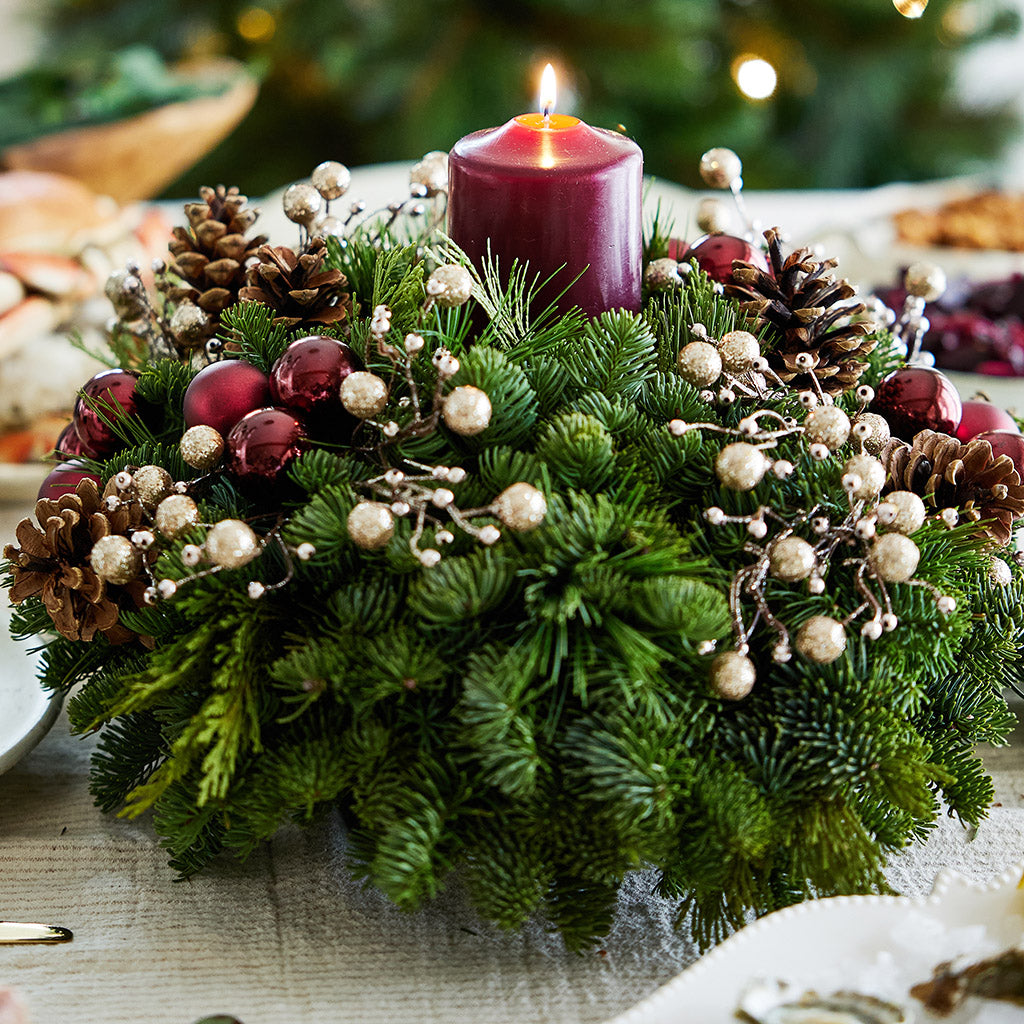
[861, 96]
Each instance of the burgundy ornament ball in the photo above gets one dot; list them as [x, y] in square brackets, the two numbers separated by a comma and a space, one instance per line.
[69, 443]
[64, 479]
[917, 398]
[261, 446]
[307, 378]
[714, 255]
[110, 390]
[978, 417]
[222, 393]
[1007, 442]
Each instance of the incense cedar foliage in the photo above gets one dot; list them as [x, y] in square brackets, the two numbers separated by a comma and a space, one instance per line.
[537, 713]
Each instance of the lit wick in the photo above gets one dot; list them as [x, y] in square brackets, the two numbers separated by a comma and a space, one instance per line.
[547, 94]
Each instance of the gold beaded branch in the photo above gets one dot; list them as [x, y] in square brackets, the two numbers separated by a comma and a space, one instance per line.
[735, 363]
[169, 512]
[413, 491]
[308, 203]
[465, 410]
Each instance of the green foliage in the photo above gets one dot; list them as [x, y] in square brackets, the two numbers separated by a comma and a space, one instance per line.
[538, 713]
[162, 386]
[249, 327]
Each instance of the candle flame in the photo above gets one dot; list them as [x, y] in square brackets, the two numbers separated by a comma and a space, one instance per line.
[910, 8]
[547, 90]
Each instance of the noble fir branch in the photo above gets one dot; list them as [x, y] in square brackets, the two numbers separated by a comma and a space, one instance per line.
[507, 876]
[302, 775]
[320, 469]
[512, 398]
[161, 385]
[464, 588]
[398, 284]
[672, 314]
[223, 658]
[148, 453]
[614, 357]
[582, 913]
[501, 732]
[249, 327]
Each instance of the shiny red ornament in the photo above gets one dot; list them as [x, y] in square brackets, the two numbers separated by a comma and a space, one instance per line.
[1007, 442]
[64, 479]
[111, 394]
[222, 393]
[979, 417]
[261, 446]
[307, 379]
[715, 253]
[918, 398]
[69, 443]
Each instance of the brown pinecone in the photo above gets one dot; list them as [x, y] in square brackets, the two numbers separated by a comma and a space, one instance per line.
[798, 301]
[296, 286]
[53, 562]
[983, 489]
[211, 254]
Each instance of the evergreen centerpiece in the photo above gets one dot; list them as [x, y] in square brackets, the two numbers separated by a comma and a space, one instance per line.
[538, 597]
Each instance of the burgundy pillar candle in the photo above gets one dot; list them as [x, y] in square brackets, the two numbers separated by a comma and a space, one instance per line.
[552, 191]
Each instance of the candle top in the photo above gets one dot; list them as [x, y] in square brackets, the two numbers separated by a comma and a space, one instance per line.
[549, 122]
[537, 144]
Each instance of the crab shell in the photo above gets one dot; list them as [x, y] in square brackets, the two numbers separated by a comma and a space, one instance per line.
[779, 1003]
[39, 290]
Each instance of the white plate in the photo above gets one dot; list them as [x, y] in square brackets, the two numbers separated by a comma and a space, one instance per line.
[880, 943]
[26, 710]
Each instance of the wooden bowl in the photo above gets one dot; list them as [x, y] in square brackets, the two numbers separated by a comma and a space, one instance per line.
[137, 157]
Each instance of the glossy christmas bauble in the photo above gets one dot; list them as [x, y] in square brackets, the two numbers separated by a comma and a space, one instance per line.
[918, 398]
[714, 255]
[261, 446]
[1007, 442]
[979, 417]
[108, 392]
[307, 378]
[222, 393]
[69, 443]
[63, 479]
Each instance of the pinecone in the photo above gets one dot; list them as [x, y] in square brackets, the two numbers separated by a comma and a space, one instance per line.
[211, 254]
[53, 562]
[296, 286]
[983, 489]
[799, 302]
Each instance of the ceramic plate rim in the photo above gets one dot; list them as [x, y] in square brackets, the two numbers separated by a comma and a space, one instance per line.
[672, 995]
[32, 734]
